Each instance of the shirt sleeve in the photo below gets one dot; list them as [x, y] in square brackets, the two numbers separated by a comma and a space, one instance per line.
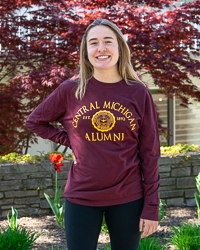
[149, 151]
[51, 109]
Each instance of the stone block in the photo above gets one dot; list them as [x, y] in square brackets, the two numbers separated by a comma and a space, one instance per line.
[62, 183]
[167, 182]
[164, 175]
[9, 208]
[39, 175]
[171, 194]
[196, 170]
[15, 177]
[11, 188]
[186, 163]
[181, 171]
[186, 182]
[189, 193]
[176, 160]
[28, 168]
[42, 211]
[67, 165]
[36, 183]
[191, 202]
[6, 202]
[16, 194]
[9, 183]
[175, 202]
[1, 195]
[7, 168]
[28, 211]
[35, 205]
[167, 188]
[4, 213]
[164, 160]
[63, 175]
[27, 200]
[164, 168]
[44, 204]
[50, 192]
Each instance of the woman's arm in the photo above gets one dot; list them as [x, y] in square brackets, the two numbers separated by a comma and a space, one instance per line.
[53, 108]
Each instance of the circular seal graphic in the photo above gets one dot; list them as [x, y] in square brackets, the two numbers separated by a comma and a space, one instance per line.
[103, 120]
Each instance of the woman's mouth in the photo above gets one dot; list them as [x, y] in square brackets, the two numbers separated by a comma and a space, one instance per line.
[102, 57]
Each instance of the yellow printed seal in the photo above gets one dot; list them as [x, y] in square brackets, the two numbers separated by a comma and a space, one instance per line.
[103, 120]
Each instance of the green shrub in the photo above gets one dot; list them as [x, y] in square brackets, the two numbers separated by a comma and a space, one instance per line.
[179, 149]
[186, 237]
[150, 243]
[17, 239]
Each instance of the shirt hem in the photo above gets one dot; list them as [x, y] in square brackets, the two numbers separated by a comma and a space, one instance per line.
[83, 202]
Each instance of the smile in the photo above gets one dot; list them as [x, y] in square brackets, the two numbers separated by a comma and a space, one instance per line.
[102, 57]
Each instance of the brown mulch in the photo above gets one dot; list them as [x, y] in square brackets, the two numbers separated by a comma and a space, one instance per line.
[52, 235]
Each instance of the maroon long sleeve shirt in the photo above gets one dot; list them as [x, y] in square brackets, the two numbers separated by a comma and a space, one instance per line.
[113, 134]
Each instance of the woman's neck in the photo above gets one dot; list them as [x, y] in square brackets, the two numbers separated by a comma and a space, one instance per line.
[107, 77]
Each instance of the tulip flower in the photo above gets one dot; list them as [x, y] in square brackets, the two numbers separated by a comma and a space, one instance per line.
[57, 209]
[56, 159]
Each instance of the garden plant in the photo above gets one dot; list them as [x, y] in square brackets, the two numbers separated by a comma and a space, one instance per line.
[15, 237]
[186, 237]
[197, 196]
[12, 222]
[57, 209]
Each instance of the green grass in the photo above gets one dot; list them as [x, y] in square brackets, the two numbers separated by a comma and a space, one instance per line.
[150, 243]
[186, 237]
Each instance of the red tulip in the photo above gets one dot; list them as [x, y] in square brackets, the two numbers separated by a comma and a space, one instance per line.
[56, 159]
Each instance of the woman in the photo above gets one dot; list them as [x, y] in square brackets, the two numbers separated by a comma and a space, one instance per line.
[110, 124]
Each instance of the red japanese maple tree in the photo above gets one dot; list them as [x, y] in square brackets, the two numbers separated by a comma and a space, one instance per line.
[40, 48]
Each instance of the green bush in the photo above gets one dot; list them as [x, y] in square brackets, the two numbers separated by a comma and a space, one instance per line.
[186, 237]
[179, 149]
[17, 239]
[150, 243]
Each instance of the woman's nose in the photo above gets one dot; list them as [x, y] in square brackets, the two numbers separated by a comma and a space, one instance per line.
[101, 47]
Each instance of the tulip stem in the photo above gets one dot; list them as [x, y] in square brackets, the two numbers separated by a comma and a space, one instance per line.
[56, 181]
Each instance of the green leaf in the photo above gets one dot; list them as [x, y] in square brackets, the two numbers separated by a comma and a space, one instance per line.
[57, 196]
[52, 205]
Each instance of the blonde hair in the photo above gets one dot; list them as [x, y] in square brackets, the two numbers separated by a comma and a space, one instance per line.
[125, 67]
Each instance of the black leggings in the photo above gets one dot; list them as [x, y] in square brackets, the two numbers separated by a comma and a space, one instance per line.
[83, 225]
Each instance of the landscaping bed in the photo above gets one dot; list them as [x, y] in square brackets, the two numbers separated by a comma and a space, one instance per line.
[52, 235]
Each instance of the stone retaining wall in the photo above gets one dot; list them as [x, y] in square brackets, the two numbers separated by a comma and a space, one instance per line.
[23, 185]
[178, 183]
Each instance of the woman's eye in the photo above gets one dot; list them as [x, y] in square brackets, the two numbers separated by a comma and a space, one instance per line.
[108, 41]
[93, 43]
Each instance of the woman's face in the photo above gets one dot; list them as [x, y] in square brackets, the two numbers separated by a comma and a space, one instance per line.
[102, 48]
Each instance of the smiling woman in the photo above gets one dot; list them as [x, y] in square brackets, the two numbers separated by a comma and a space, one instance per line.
[110, 124]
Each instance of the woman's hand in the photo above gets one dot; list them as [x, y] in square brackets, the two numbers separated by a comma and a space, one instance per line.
[74, 160]
[148, 227]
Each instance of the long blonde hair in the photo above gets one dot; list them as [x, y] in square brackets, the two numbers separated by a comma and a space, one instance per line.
[125, 67]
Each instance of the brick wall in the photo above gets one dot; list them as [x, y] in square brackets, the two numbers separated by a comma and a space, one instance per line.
[23, 185]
